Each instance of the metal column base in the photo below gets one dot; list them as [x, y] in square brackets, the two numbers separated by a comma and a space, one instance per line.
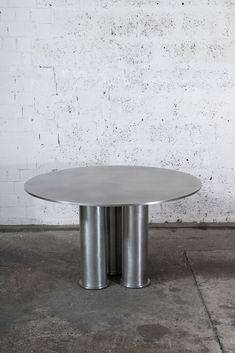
[135, 247]
[93, 237]
[114, 240]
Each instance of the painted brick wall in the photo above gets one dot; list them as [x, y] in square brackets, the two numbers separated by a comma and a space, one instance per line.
[92, 82]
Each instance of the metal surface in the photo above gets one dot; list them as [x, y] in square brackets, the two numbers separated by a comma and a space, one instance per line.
[93, 233]
[135, 247]
[113, 185]
[114, 222]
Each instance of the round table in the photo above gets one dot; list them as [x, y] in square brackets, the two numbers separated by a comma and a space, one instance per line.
[113, 204]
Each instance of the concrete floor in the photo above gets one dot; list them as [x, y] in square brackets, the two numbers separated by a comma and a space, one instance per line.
[190, 306]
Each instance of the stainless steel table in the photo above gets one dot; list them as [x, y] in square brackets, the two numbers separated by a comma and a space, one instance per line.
[113, 214]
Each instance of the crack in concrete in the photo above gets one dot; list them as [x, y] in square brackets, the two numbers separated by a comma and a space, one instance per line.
[214, 329]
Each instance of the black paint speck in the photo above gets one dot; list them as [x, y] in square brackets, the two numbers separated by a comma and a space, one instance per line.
[211, 178]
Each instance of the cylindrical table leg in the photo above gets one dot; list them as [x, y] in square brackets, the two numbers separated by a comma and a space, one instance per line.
[135, 247]
[114, 221]
[93, 234]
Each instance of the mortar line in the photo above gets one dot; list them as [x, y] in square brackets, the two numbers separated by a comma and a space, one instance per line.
[214, 329]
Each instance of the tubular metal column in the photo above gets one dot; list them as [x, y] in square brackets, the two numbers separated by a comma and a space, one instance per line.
[93, 234]
[135, 247]
[114, 221]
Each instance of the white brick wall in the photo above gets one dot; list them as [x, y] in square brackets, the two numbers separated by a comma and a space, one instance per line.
[91, 82]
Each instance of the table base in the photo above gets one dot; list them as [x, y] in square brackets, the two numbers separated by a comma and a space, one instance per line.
[114, 240]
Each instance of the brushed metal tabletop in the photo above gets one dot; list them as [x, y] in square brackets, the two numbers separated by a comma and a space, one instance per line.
[113, 185]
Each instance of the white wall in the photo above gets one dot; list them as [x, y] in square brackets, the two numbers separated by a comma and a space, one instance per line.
[93, 82]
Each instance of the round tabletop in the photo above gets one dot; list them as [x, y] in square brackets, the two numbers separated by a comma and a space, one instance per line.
[113, 185]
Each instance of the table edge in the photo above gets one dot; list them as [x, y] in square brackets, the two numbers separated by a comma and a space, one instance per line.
[116, 204]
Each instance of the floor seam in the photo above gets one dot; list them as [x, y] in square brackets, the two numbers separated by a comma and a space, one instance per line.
[214, 329]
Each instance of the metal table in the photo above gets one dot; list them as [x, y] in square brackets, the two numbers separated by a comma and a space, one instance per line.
[113, 204]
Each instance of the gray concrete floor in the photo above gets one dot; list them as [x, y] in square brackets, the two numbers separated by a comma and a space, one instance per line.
[190, 306]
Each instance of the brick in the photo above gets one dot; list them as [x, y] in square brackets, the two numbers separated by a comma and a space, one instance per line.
[156, 24]
[9, 57]
[7, 15]
[21, 30]
[25, 98]
[19, 187]
[7, 98]
[43, 30]
[16, 125]
[9, 200]
[22, 15]
[203, 25]
[9, 44]
[62, 13]
[12, 174]
[121, 26]
[41, 15]
[4, 29]
[21, 3]
[23, 44]
[10, 111]
[44, 3]
[13, 213]
[26, 174]
[46, 55]
[6, 188]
